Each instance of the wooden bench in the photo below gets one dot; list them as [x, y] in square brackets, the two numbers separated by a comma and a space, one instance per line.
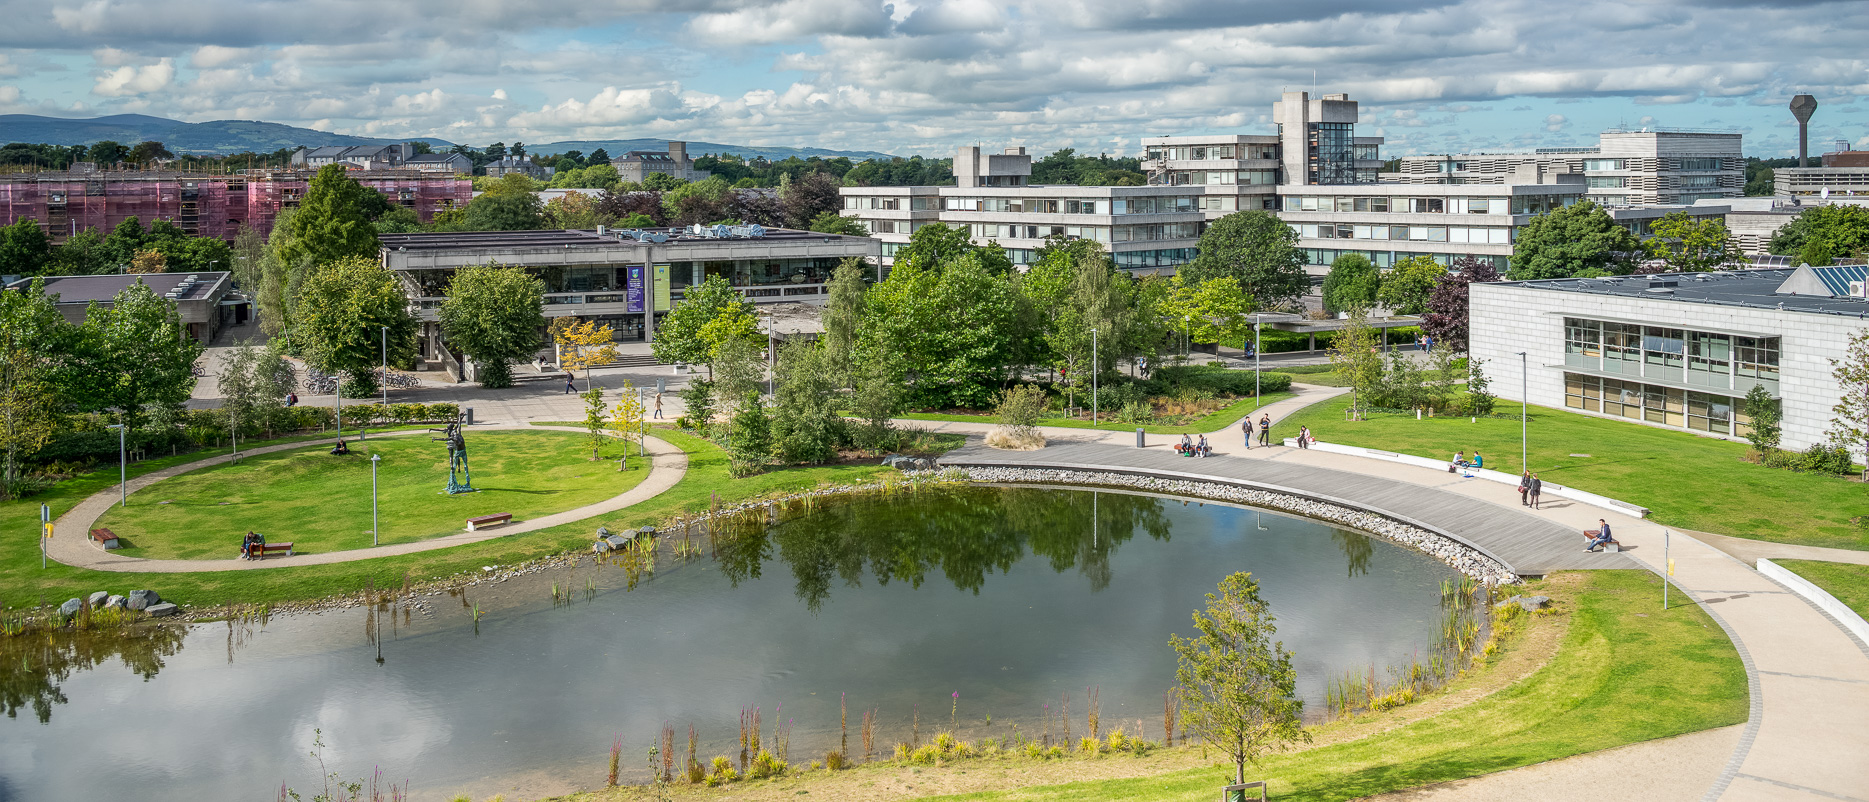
[475, 524]
[258, 551]
[106, 538]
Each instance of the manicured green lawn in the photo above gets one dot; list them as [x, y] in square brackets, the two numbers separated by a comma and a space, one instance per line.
[22, 582]
[1626, 672]
[1685, 480]
[1848, 582]
[1212, 421]
[321, 503]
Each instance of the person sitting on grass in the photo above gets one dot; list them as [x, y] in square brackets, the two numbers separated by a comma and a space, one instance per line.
[340, 449]
[1478, 461]
[1600, 537]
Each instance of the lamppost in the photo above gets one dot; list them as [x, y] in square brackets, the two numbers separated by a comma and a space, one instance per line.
[1093, 377]
[1255, 361]
[123, 465]
[376, 528]
[385, 366]
[1525, 402]
[1187, 336]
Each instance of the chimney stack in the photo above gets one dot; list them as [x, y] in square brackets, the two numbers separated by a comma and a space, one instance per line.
[678, 151]
[1802, 107]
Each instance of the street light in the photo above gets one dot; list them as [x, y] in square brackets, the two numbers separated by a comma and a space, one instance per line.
[376, 528]
[1093, 377]
[385, 366]
[1525, 402]
[123, 464]
[1255, 361]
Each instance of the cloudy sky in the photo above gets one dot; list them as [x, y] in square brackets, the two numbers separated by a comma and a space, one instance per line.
[923, 77]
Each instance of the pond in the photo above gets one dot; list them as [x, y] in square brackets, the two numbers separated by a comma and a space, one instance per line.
[1011, 597]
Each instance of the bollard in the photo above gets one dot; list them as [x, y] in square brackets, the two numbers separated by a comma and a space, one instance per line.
[661, 384]
[470, 415]
[1139, 442]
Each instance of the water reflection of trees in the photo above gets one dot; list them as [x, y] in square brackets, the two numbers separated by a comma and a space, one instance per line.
[34, 665]
[964, 534]
[1356, 549]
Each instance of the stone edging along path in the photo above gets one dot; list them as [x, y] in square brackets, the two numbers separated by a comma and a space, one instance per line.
[72, 544]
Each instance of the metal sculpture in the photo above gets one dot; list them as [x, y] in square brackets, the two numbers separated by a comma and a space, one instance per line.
[460, 480]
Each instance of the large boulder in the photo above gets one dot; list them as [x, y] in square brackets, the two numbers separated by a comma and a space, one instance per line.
[114, 602]
[600, 547]
[70, 607]
[97, 599]
[1532, 603]
[142, 599]
[162, 610]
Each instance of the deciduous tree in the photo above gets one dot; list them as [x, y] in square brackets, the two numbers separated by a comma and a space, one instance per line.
[1352, 281]
[332, 222]
[1236, 687]
[1574, 241]
[678, 338]
[343, 309]
[805, 200]
[494, 314]
[1353, 356]
[806, 426]
[833, 223]
[133, 354]
[1213, 311]
[948, 330]
[25, 250]
[1256, 249]
[1446, 320]
[1840, 230]
[31, 331]
[583, 345]
[1408, 285]
[1850, 427]
[843, 316]
[1687, 244]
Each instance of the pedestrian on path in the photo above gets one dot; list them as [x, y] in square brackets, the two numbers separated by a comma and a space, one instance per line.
[1304, 437]
[658, 406]
[1525, 489]
[1246, 429]
[1265, 430]
[570, 385]
[1537, 486]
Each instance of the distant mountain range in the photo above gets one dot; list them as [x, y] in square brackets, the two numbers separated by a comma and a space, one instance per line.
[241, 136]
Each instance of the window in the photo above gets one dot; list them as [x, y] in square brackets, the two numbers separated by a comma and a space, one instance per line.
[1332, 158]
[1755, 361]
[1367, 152]
[1260, 177]
[1605, 182]
[1370, 205]
[1662, 353]
[1451, 167]
[1622, 348]
[1485, 206]
[1700, 164]
[1593, 165]
[1583, 343]
[1709, 360]
[1700, 181]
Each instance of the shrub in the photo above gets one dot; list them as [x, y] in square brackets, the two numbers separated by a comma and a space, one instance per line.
[925, 756]
[965, 749]
[723, 771]
[1215, 378]
[1056, 753]
[944, 741]
[765, 765]
[1118, 741]
[1823, 458]
[1034, 751]
[1089, 745]
[902, 751]
[834, 761]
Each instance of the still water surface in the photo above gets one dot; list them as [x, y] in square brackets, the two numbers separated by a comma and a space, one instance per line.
[1010, 596]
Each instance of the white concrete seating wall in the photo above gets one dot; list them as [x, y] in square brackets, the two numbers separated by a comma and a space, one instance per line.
[1818, 596]
[1504, 320]
[1552, 488]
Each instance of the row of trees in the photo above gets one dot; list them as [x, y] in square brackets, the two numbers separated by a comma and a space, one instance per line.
[104, 153]
[510, 203]
[26, 250]
[1821, 234]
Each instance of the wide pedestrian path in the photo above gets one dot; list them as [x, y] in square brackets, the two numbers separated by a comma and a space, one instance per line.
[1807, 737]
[73, 546]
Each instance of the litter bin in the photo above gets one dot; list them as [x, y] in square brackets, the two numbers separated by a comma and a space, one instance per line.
[1139, 442]
[469, 411]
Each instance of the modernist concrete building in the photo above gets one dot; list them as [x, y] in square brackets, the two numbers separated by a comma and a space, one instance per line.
[1626, 168]
[202, 300]
[1676, 350]
[626, 279]
[637, 165]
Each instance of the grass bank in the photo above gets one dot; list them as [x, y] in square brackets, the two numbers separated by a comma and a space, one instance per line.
[1212, 421]
[1622, 672]
[321, 503]
[1846, 581]
[1685, 480]
[23, 583]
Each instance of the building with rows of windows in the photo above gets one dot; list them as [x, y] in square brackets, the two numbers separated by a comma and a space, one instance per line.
[1676, 350]
[1626, 168]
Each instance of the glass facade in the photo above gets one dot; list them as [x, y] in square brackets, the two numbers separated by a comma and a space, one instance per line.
[1697, 359]
[1713, 413]
[1333, 154]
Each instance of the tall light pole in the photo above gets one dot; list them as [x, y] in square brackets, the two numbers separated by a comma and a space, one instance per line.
[123, 465]
[1525, 402]
[1187, 336]
[1093, 377]
[376, 527]
[1255, 361]
[385, 366]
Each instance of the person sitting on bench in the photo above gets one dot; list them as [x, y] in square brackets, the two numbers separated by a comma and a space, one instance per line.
[1600, 537]
[1186, 446]
[247, 543]
[1203, 448]
[340, 449]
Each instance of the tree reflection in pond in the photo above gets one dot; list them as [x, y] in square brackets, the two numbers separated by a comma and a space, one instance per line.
[34, 665]
[964, 533]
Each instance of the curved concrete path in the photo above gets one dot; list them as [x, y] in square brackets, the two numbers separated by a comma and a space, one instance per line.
[73, 546]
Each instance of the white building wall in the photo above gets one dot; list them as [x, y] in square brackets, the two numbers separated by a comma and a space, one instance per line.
[1505, 319]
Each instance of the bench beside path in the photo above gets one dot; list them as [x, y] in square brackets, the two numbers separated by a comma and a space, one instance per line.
[667, 465]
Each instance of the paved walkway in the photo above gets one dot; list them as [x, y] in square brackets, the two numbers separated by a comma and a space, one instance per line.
[72, 545]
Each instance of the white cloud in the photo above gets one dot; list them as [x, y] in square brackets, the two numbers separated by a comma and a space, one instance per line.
[130, 80]
[1556, 122]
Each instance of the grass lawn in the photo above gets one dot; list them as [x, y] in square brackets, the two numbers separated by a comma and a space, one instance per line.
[1685, 480]
[321, 503]
[1212, 421]
[22, 582]
[1626, 672]
[1848, 582]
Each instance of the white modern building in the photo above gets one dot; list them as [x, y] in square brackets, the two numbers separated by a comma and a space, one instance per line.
[1646, 167]
[1675, 350]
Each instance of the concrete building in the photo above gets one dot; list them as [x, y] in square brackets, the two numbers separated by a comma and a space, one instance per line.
[1676, 350]
[626, 279]
[202, 300]
[1646, 167]
[637, 165]
[200, 204]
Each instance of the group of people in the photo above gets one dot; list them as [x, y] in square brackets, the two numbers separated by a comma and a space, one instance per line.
[247, 543]
[1189, 448]
[1265, 430]
[1529, 488]
[1461, 463]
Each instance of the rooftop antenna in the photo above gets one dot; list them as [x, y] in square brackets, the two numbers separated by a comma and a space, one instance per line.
[1802, 107]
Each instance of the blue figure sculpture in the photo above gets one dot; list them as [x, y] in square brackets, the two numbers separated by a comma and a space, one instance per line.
[460, 480]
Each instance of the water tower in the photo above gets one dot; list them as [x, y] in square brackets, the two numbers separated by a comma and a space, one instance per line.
[1802, 107]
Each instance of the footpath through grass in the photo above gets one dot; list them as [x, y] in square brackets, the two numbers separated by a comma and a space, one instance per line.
[1685, 480]
[1625, 672]
[1210, 422]
[1846, 581]
[321, 503]
[23, 583]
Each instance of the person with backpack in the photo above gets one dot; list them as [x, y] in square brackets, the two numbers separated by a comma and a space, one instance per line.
[1265, 430]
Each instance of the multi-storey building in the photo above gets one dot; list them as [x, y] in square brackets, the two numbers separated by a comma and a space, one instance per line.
[199, 204]
[637, 165]
[361, 157]
[1626, 168]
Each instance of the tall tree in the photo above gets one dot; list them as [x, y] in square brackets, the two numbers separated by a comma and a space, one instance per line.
[1579, 240]
[494, 314]
[275, 274]
[1352, 281]
[583, 345]
[599, 156]
[834, 223]
[813, 194]
[1850, 427]
[343, 309]
[1408, 285]
[1213, 311]
[254, 380]
[1446, 320]
[1841, 230]
[108, 152]
[1256, 249]
[147, 151]
[333, 221]
[25, 250]
[31, 331]
[843, 316]
[950, 330]
[133, 354]
[934, 245]
[1236, 686]
[678, 338]
[1686, 244]
[1353, 356]
[249, 250]
[491, 212]
[806, 424]
[83, 254]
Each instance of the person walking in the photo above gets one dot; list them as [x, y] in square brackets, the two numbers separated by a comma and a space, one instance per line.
[1536, 487]
[1265, 430]
[658, 406]
[570, 385]
[1525, 489]
[1246, 429]
[1304, 437]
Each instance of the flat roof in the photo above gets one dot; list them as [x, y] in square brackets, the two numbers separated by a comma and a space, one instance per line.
[589, 238]
[85, 289]
[1755, 289]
